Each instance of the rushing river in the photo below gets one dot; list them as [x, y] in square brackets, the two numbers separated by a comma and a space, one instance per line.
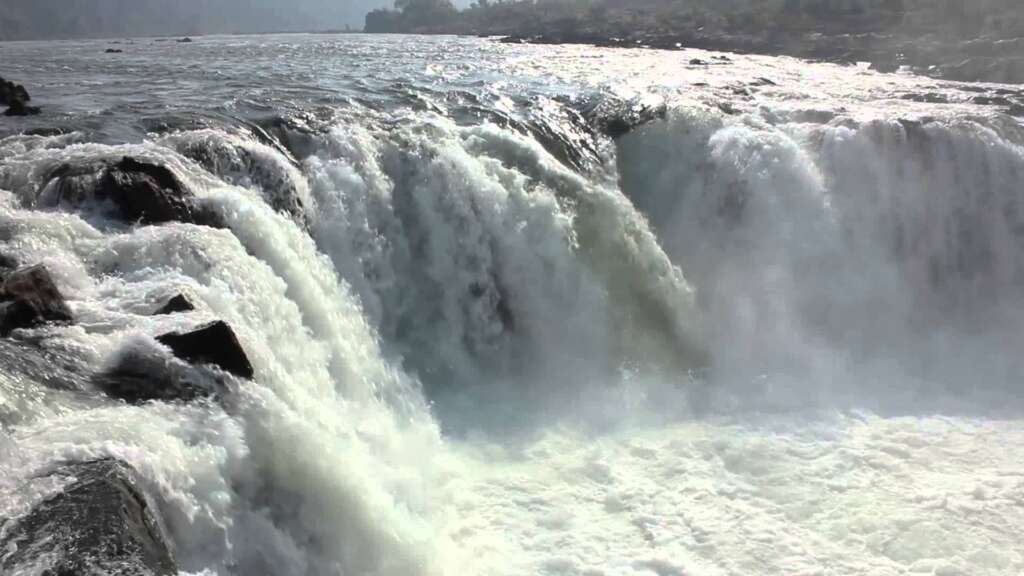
[777, 329]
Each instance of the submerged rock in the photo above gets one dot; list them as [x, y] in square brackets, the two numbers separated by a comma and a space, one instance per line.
[214, 343]
[178, 303]
[100, 523]
[29, 297]
[139, 191]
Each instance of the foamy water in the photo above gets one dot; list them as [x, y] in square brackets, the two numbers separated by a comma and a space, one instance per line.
[773, 331]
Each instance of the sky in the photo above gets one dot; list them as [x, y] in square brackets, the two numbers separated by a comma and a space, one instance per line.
[29, 19]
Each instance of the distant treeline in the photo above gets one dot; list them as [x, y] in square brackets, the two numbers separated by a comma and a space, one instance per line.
[45, 19]
[629, 17]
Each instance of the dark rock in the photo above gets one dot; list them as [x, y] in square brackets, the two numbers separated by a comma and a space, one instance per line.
[698, 62]
[179, 303]
[140, 192]
[101, 523]
[16, 97]
[184, 40]
[991, 101]
[762, 81]
[29, 298]
[885, 65]
[143, 373]
[728, 108]
[616, 118]
[19, 108]
[113, 51]
[238, 165]
[928, 97]
[11, 93]
[7, 262]
[214, 343]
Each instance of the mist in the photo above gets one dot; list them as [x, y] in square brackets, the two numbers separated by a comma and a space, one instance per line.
[49, 19]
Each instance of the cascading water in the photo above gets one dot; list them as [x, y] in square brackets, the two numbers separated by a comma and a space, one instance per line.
[775, 336]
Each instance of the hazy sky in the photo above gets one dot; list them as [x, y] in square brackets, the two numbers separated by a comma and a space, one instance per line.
[23, 19]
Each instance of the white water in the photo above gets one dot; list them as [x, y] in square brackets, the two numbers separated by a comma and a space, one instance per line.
[472, 359]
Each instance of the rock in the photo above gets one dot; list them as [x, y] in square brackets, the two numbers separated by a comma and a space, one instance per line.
[928, 97]
[11, 93]
[113, 51]
[7, 262]
[140, 192]
[184, 40]
[885, 64]
[242, 166]
[991, 101]
[100, 523]
[698, 62]
[29, 298]
[18, 108]
[178, 303]
[616, 118]
[214, 343]
[142, 372]
[16, 97]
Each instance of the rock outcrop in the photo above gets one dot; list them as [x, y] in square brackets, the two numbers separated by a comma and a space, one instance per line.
[16, 98]
[103, 522]
[143, 373]
[29, 297]
[214, 343]
[177, 303]
[138, 191]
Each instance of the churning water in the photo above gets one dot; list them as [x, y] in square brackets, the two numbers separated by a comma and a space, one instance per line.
[777, 329]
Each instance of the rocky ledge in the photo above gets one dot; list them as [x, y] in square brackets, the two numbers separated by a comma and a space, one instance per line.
[137, 190]
[103, 521]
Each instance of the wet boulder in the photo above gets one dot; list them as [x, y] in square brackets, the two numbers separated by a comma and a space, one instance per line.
[276, 176]
[102, 522]
[16, 97]
[29, 297]
[143, 372]
[137, 191]
[11, 92]
[7, 263]
[616, 118]
[214, 343]
[19, 108]
[177, 303]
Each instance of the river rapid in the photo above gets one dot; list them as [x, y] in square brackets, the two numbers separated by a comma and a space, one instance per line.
[772, 327]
